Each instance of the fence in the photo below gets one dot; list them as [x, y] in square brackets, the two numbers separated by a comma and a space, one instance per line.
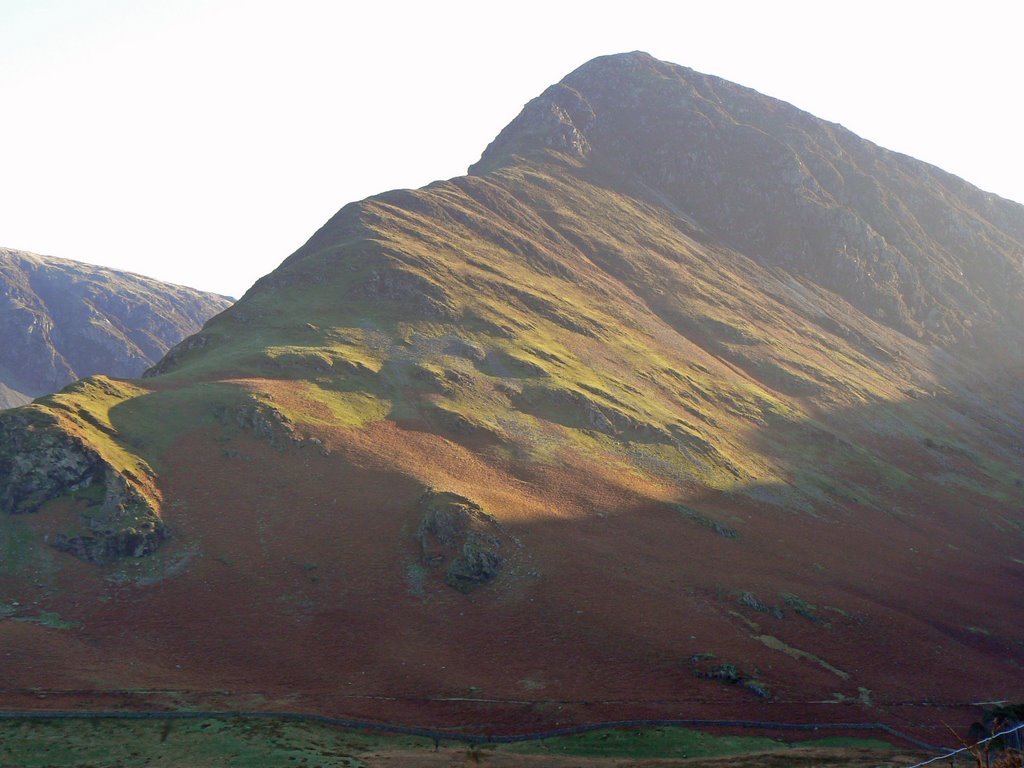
[1017, 730]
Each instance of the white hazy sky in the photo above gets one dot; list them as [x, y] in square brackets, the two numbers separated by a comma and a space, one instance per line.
[201, 142]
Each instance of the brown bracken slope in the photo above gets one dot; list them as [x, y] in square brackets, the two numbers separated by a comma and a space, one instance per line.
[683, 403]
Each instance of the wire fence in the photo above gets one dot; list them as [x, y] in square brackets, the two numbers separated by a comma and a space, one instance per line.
[952, 754]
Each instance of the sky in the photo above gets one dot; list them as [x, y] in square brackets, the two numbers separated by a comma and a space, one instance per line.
[203, 142]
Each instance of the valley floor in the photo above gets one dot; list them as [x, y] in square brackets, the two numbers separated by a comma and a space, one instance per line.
[210, 743]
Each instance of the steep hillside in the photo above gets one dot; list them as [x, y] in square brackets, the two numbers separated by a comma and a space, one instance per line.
[10, 398]
[62, 320]
[906, 243]
[652, 414]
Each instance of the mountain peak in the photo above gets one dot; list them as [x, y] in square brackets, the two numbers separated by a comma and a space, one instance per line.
[564, 114]
[894, 236]
[636, 61]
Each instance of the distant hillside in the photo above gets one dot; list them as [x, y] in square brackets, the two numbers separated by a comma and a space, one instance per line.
[63, 320]
[9, 398]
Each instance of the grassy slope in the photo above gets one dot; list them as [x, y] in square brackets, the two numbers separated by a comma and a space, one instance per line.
[632, 317]
[580, 366]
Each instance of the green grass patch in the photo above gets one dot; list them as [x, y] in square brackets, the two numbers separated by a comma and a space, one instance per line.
[671, 742]
[49, 619]
[349, 409]
[151, 422]
[845, 742]
[647, 743]
[87, 405]
[196, 743]
[22, 552]
[970, 484]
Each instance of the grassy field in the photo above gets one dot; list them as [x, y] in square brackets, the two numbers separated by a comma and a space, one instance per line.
[195, 743]
[672, 742]
[238, 743]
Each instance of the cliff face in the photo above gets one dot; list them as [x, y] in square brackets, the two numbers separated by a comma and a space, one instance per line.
[681, 403]
[62, 320]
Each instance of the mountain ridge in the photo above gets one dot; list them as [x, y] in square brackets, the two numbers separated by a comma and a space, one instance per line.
[890, 254]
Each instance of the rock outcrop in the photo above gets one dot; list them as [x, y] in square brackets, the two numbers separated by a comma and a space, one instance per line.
[124, 524]
[41, 460]
[457, 535]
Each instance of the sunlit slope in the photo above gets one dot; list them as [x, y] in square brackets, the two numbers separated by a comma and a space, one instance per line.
[905, 242]
[540, 414]
[587, 316]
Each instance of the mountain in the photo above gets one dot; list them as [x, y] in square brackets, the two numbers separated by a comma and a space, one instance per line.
[62, 320]
[682, 403]
[10, 398]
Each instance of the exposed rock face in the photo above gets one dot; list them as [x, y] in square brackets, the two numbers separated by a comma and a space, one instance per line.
[456, 532]
[266, 422]
[61, 320]
[40, 462]
[124, 525]
[560, 118]
[107, 546]
[401, 285]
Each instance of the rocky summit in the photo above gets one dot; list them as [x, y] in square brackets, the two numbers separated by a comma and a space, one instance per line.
[62, 320]
[682, 403]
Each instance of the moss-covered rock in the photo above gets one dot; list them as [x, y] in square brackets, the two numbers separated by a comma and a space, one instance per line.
[456, 534]
[125, 524]
[40, 461]
[478, 563]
